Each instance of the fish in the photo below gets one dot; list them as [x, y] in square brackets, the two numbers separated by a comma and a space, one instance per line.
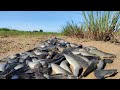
[89, 48]
[32, 64]
[90, 68]
[85, 53]
[38, 52]
[102, 74]
[59, 70]
[84, 58]
[2, 67]
[60, 76]
[100, 65]
[64, 65]
[56, 58]
[18, 66]
[74, 63]
[103, 55]
[75, 45]
[15, 77]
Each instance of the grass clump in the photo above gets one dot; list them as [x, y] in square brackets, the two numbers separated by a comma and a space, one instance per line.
[97, 25]
[72, 29]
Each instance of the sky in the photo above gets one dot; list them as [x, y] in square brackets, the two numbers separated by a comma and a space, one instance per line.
[48, 21]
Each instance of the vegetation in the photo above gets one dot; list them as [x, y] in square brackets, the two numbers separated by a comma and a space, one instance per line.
[97, 25]
[5, 32]
[41, 30]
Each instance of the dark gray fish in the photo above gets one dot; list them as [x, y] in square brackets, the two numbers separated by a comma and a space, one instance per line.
[39, 52]
[39, 75]
[24, 56]
[68, 50]
[8, 68]
[51, 54]
[16, 71]
[90, 68]
[2, 66]
[75, 45]
[14, 60]
[24, 76]
[101, 74]
[39, 68]
[88, 48]
[58, 69]
[5, 59]
[19, 66]
[81, 61]
[15, 77]
[60, 76]
[56, 61]
[92, 58]
[2, 77]
[58, 58]
[42, 56]
[62, 43]
[74, 63]
[32, 64]
[100, 65]
[107, 61]
[65, 65]
[29, 54]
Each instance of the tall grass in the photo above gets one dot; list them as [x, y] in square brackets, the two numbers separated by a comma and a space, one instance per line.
[72, 29]
[97, 25]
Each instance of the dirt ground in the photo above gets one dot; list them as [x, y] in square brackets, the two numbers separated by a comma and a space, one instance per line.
[13, 45]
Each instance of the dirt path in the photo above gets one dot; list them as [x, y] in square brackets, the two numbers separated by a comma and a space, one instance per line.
[11, 45]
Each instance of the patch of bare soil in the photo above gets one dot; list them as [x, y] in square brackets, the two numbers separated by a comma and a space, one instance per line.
[13, 45]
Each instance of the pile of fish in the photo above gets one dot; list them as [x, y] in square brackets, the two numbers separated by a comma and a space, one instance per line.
[57, 59]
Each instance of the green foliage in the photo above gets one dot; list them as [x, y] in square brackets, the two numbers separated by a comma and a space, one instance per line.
[41, 30]
[97, 25]
[72, 29]
[11, 33]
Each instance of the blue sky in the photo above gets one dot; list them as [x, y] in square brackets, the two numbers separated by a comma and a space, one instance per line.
[50, 21]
